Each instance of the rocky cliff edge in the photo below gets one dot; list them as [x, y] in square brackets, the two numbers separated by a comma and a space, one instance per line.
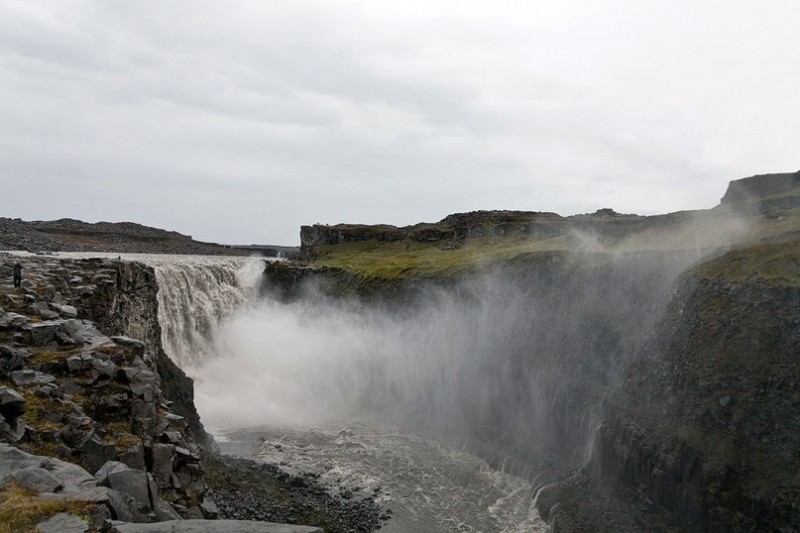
[98, 430]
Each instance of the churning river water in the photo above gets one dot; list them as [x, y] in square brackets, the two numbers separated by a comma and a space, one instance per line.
[429, 486]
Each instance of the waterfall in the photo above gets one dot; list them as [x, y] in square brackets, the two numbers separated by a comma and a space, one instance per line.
[196, 294]
[517, 361]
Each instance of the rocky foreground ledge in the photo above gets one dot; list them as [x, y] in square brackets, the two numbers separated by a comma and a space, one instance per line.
[98, 431]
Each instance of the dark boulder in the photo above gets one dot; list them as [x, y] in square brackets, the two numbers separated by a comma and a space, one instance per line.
[12, 405]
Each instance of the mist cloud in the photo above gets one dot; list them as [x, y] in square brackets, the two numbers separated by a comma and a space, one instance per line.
[519, 358]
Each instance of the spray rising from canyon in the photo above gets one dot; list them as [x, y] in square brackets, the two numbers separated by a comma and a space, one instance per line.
[517, 359]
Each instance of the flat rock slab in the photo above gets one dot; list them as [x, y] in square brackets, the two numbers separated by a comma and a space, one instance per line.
[44, 332]
[84, 332]
[72, 477]
[210, 526]
[66, 310]
[63, 523]
[37, 479]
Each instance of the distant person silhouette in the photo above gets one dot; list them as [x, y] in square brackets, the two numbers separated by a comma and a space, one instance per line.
[17, 272]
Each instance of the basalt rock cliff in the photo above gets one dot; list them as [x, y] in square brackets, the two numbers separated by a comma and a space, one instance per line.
[98, 429]
[98, 399]
[703, 433]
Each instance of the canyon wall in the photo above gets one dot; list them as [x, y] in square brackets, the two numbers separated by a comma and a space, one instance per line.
[128, 305]
[85, 382]
[704, 431]
[672, 395]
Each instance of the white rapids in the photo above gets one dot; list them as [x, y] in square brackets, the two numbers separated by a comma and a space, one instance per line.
[428, 486]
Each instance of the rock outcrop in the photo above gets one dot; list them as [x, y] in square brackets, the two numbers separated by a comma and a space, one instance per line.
[453, 230]
[703, 432]
[764, 192]
[716, 444]
[75, 393]
[123, 302]
[117, 498]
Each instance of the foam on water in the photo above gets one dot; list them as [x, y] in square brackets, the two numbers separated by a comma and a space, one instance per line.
[429, 486]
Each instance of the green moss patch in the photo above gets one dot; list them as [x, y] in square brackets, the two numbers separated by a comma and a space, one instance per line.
[46, 356]
[119, 434]
[409, 258]
[37, 410]
[776, 263]
[395, 253]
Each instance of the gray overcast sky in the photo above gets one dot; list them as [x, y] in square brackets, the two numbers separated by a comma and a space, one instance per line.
[237, 122]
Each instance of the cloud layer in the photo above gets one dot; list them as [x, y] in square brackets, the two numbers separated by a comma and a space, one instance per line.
[237, 122]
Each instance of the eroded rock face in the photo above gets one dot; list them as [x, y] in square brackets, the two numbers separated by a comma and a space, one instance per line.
[703, 433]
[84, 391]
[765, 191]
[126, 306]
[95, 398]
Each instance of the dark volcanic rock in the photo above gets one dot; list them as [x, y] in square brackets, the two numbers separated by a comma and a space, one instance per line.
[93, 399]
[703, 433]
[69, 235]
[12, 405]
[765, 191]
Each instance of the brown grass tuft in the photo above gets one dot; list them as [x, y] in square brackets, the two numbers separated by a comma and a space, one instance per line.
[21, 509]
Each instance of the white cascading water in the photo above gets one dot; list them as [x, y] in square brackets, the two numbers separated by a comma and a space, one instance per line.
[196, 295]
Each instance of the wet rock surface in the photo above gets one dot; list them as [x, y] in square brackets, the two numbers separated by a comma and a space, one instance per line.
[715, 446]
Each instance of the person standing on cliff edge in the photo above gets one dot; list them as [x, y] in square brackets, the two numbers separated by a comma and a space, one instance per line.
[17, 273]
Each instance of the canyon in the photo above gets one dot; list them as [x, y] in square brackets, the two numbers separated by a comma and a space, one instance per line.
[641, 373]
